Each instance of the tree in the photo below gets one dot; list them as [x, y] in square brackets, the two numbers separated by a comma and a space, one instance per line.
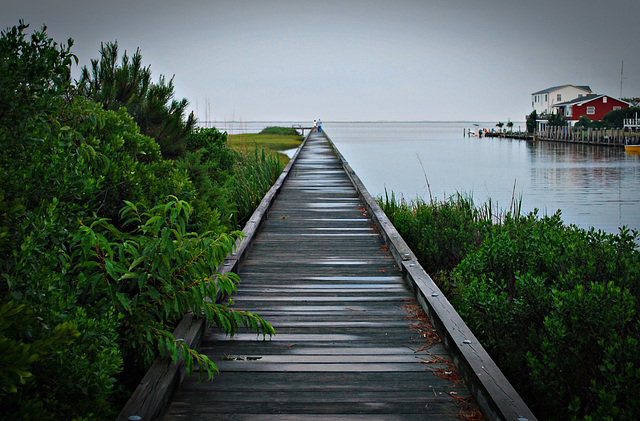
[556, 120]
[510, 125]
[500, 124]
[532, 122]
[152, 105]
[615, 118]
[34, 81]
[635, 101]
[583, 122]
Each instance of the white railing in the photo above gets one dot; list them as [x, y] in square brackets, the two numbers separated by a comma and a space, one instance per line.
[632, 122]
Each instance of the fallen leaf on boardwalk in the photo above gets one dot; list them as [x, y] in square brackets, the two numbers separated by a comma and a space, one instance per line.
[468, 410]
[422, 325]
[448, 375]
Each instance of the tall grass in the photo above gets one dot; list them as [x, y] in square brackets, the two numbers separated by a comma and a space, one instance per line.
[442, 232]
[255, 174]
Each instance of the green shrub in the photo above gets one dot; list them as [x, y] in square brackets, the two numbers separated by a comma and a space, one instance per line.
[90, 290]
[548, 301]
[155, 275]
[287, 131]
[556, 306]
[210, 164]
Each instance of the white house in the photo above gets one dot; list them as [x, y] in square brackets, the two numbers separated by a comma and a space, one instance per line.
[543, 101]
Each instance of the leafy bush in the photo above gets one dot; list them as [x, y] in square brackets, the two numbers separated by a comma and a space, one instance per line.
[615, 119]
[287, 131]
[91, 290]
[155, 275]
[210, 164]
[556, 306]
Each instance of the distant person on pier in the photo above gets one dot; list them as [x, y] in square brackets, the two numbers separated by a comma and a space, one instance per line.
[315, 125]
[319, 125]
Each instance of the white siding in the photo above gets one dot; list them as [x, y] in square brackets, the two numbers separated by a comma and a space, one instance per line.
[543, 103]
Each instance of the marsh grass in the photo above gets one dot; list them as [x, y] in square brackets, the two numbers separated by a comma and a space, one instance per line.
[261, 164]
[257, 172]
[272, 143]
[440, 232]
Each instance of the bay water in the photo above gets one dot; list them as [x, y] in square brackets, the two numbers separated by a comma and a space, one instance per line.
[593, 186]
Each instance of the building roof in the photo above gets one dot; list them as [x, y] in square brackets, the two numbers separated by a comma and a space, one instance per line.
[587, 98]
[555, 88]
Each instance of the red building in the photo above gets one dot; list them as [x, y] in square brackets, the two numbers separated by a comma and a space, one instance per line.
[592, 106]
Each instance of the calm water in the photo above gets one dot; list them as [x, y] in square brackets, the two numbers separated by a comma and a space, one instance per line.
[593, 186]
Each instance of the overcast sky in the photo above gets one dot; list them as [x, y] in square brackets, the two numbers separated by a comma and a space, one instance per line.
[287, 60]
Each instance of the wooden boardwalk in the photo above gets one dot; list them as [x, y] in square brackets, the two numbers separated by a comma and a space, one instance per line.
[350, 343]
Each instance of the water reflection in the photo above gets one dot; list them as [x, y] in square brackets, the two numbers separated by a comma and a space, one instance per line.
[589, 183]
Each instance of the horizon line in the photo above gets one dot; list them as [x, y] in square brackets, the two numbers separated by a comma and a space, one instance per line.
[354, 121]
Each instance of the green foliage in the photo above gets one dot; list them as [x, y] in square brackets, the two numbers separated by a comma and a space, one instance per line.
[286, 131]
[556, 306]
[34, 80]
[440, 233]
[155, 275]
[556, 120]
[583, 122]
[16, 356]
[547, 301]
[255, 173]
[90, 291]
[615, 119]
[129, 85]
[532, 122]
[210, 164]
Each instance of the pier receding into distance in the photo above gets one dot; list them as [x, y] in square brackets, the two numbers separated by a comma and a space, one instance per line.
[362, 331]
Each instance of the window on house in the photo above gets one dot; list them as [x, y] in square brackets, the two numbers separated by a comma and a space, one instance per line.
[591, 110]
[546, 97]
[559, 97]
[616, 107]
[604, 100]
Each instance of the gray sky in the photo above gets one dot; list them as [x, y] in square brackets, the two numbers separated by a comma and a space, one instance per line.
[348, 60]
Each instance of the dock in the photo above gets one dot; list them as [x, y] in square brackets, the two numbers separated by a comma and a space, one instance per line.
[362, 332]
[590, 136]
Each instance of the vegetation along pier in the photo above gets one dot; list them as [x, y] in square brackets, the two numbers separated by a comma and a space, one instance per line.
[362, 332]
